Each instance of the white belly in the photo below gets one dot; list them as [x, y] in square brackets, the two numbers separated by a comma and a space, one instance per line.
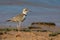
[24, 17]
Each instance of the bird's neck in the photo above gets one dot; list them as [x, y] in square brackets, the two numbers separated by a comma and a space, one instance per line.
[25, 13]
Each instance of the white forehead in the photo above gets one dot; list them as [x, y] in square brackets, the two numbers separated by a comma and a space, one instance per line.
[25, 9]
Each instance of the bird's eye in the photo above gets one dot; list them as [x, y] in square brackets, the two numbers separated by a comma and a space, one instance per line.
[26, 10]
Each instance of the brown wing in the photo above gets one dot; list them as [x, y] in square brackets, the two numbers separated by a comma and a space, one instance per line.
[18, 18]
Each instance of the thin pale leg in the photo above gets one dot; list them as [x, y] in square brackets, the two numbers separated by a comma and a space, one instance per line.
[18, 26]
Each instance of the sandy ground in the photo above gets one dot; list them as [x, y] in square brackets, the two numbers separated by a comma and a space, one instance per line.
[13, 35]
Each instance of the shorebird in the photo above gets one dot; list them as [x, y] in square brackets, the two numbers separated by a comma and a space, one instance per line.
[19, 18]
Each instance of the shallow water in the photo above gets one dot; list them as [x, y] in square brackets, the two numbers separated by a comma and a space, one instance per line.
[46, 11]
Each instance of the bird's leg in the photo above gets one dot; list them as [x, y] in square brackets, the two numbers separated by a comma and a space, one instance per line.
[19, 26]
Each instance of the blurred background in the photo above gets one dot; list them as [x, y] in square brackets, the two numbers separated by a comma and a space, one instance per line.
[42, 11]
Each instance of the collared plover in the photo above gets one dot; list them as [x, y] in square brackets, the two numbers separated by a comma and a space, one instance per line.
[19, 18]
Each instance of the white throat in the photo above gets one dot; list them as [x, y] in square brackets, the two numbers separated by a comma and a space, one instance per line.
[24, 12]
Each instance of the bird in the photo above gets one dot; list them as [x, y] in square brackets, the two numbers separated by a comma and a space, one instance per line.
[19, 18]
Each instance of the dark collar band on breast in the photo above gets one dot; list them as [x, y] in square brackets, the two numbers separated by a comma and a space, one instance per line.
[25, 14]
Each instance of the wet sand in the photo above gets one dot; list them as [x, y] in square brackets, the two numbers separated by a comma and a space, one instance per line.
[14, 35]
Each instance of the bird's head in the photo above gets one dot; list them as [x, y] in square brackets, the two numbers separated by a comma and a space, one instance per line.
[25, 11]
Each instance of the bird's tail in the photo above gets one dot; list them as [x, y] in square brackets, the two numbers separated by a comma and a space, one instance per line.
[8, 20]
